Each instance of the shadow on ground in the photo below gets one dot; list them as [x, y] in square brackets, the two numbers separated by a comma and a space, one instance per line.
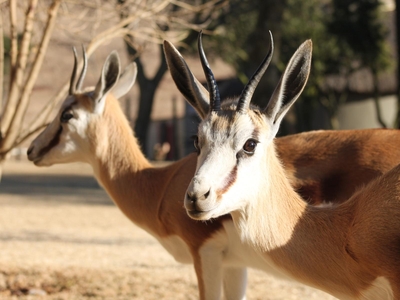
[54, 187]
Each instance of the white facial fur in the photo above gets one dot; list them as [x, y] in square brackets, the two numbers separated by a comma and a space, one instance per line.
[227, 177]
[223, 167]
[68, 139]
[63, 142]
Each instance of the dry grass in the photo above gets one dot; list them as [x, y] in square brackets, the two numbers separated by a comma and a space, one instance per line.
[83, 283]
[62, 238]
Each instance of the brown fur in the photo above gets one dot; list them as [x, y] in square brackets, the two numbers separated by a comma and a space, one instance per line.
[153, 197]
[352, 152]
[329, 166]
[342, 248]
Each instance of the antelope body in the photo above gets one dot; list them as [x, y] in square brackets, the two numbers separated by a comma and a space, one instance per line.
[90, 127]
[350, 250]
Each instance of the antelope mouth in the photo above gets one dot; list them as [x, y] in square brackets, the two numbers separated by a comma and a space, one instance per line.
[197, 214]
[201, 215]
[36, 161]
[32, 157]
[200, 211]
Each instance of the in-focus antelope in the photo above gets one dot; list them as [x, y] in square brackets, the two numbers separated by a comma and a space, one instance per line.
[350, 250]
[90, 127]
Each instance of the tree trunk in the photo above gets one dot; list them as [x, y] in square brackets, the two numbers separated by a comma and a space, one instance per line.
[376, 100]
[148, 87]
[397, 10]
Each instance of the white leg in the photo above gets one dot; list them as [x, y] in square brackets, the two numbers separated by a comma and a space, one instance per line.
[235, 282]
[209, 273]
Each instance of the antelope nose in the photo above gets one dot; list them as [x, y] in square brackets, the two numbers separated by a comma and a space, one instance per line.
[30, 149]
[193, 197]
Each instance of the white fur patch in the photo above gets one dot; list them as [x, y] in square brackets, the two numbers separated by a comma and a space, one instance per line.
[380, 289]
[177, 248]
[240, 254]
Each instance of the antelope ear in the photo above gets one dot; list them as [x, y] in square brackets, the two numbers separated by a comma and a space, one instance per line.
[125, 81]
[187, 84]
[108, 79]
[290, 85]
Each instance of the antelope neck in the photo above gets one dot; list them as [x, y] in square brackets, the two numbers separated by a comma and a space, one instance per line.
[269, 218]
[304, 240]
[123, 171]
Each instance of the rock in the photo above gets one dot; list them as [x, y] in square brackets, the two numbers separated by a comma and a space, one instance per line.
[37, 292]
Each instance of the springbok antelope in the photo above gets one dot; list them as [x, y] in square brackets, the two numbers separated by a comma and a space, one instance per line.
[90, 127]
[350, 250]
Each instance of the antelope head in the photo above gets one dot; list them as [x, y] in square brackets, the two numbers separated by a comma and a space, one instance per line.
[67, 138]
[234, 137]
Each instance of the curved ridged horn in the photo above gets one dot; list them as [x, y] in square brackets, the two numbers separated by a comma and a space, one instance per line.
[248, 91]
[72, 88]
[84, 69]
[215, 99]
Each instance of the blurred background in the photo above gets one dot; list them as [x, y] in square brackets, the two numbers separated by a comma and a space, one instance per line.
[61, 237]
[353, 82]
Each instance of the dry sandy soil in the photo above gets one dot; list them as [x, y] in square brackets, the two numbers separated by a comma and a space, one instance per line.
[62, 238]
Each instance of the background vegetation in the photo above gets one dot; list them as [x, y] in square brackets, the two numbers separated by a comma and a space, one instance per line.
[348, 36]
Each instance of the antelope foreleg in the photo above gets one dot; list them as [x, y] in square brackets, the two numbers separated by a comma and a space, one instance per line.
[234, 283]
[208, 267]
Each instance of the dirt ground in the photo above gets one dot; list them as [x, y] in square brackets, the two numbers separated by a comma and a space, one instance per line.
[62, 238]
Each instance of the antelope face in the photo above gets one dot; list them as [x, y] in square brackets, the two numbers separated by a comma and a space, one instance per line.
[233, 139]
[65, 138]
[70, 137]
[230, 146]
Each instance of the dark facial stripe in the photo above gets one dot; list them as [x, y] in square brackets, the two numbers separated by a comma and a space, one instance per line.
[230, 180]
[71, 105]
[53, 142]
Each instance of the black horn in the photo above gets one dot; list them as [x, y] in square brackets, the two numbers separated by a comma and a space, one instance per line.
[248, 91]
[215, 99]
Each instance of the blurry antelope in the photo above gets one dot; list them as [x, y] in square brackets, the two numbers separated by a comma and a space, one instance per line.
[90, 127]
[350, 250]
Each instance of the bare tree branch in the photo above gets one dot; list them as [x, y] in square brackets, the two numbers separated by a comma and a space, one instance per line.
[198, 8]
[1, 61]
[13, 38]
[144, 14]
[20, 111]
[144, 22]
[17, 81]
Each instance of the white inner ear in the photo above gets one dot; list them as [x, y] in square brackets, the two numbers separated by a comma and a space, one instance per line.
[274, 129]
[125, 81]
[100, 104]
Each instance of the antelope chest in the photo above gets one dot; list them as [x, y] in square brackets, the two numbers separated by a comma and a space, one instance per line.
[177, 248]
[379, 289]
[241, 254]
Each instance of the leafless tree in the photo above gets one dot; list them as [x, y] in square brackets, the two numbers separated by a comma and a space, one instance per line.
[29, 25]
[188, 18]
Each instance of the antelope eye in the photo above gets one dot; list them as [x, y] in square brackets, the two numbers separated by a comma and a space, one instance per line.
[250, 146]
[66, 116]
[196, 143]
